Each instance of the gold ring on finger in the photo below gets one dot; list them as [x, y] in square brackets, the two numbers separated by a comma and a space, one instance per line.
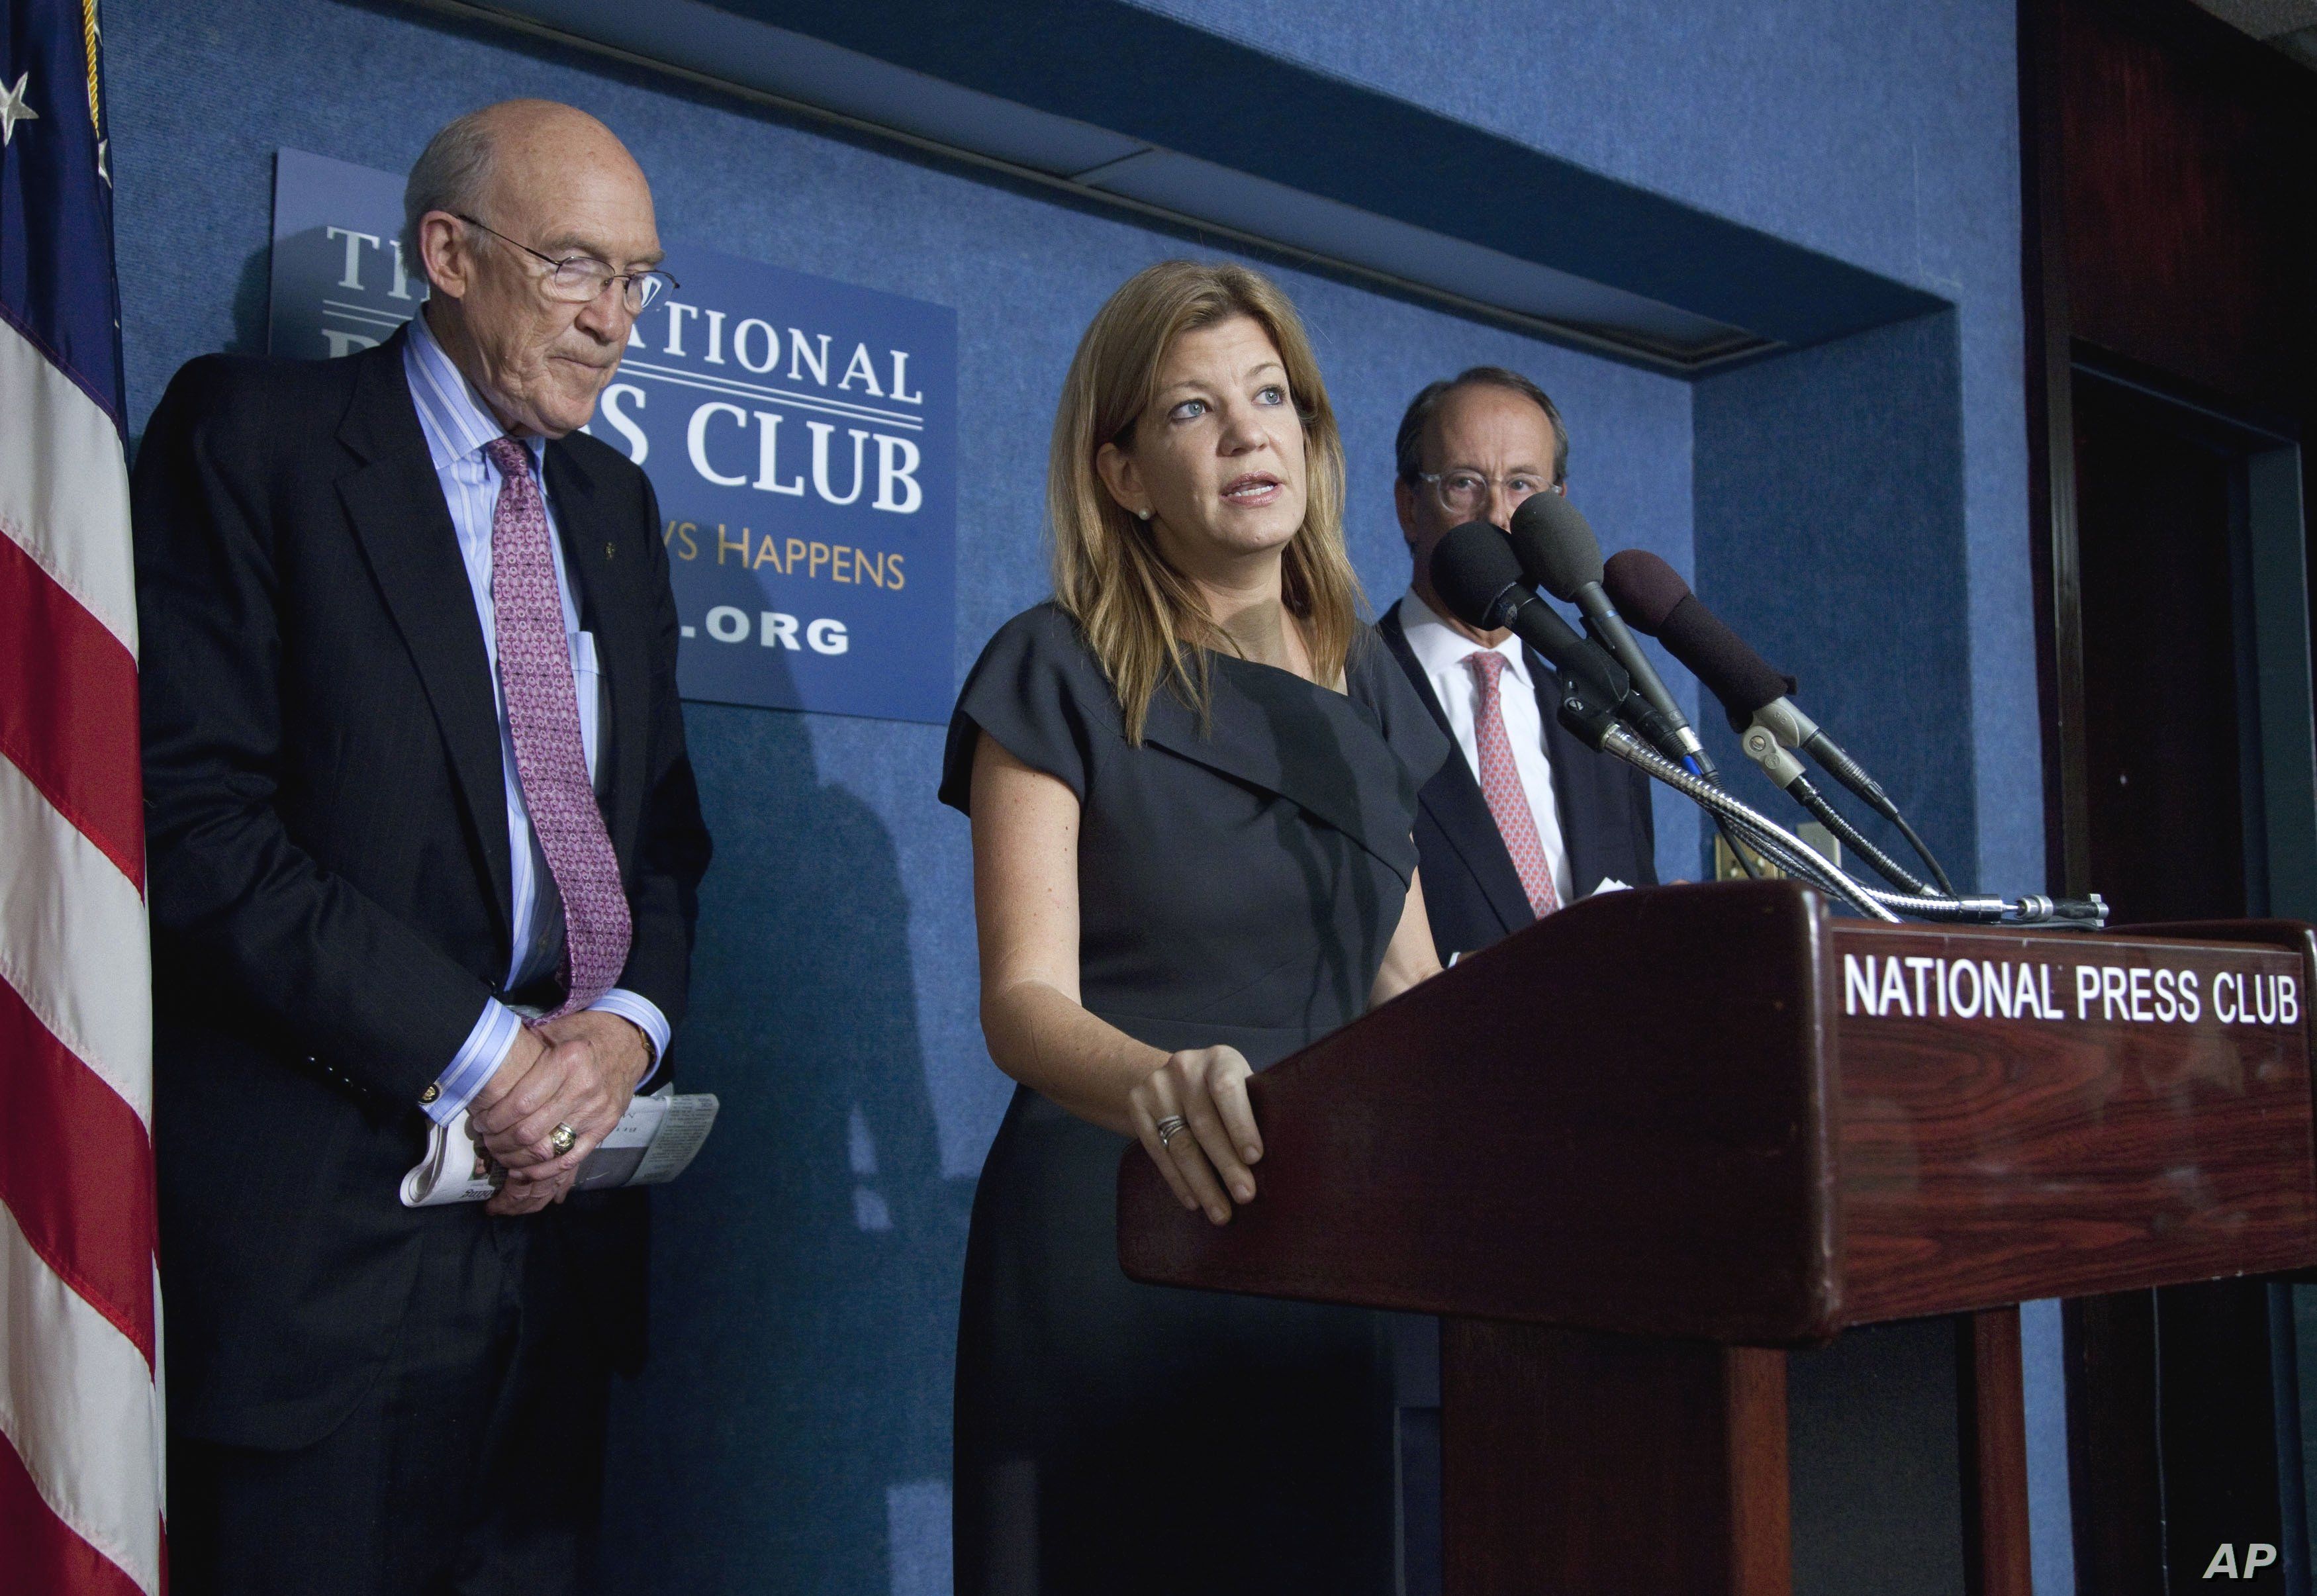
[563, 1138]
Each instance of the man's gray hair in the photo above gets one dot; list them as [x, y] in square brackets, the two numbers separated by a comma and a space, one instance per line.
[450, 173]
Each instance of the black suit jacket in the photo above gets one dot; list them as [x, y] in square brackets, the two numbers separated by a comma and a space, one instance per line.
[328, 860]
[1471, 894]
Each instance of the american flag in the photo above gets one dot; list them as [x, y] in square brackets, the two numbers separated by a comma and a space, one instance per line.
[80, 1389]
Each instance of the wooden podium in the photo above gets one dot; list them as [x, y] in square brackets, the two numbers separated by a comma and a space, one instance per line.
[1634, 1152]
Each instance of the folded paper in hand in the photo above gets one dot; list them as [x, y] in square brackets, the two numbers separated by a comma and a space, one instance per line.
[652, 1143]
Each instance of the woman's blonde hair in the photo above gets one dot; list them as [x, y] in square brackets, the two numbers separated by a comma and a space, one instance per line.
[1142, 618]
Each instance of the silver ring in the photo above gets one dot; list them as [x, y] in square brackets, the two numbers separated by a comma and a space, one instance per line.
[1169, 1126]
[562, 1139]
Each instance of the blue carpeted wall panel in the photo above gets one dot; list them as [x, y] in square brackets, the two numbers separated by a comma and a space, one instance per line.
[1830, 533]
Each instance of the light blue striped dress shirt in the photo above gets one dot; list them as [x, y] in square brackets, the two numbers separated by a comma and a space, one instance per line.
[458, 425]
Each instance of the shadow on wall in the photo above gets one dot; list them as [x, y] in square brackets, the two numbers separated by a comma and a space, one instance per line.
[252, 287]
[791, 1430]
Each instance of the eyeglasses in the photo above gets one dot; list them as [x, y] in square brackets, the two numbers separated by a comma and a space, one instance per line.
[580, 279]
[1466, 493]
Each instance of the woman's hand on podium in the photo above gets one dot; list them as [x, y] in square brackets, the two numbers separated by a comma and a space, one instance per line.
[1205, 1159]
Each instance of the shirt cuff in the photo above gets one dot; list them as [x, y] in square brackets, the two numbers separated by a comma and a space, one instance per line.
[486, 1047]
[643, 1014]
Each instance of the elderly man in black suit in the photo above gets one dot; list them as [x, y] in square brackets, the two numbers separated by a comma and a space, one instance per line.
[424, 839]
[1530, 818]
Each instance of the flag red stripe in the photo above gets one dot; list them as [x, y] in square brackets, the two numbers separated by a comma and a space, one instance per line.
[68, 709]
[43, 1553]
[76, 1170]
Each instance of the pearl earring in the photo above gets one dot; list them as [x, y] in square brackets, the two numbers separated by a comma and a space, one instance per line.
[1144, 514]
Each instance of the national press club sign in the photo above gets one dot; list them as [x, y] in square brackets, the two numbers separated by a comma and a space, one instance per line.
[801, 434]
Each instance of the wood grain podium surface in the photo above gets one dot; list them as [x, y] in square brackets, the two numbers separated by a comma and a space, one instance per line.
[2146, 1121]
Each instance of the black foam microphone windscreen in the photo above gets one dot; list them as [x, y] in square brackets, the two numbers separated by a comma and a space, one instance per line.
[1475, 573]
[1653, 598]
[1470, 569]
[1643, 587]
[1556, 545]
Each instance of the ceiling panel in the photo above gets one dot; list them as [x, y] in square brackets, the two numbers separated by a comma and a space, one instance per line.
[1356, 182]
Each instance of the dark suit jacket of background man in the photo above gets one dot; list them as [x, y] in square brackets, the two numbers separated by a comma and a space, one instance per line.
[319, 720]
[1471, 894]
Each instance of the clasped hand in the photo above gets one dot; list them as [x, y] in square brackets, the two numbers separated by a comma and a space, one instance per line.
[580, 1070]
[1207, 1161]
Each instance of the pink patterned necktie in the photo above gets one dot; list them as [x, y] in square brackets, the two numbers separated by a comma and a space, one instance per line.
[542, 708]
[1501, 783]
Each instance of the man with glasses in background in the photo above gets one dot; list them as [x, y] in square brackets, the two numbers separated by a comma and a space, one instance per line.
[423, 840]
[1530, 818]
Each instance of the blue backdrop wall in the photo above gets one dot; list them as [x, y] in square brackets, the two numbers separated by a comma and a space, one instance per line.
[793, 1431]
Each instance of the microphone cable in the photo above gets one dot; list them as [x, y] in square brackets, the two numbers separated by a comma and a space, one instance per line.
[1855, 840]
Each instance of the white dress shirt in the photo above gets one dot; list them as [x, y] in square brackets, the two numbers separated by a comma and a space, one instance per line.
[1442, 650]
[458, 425]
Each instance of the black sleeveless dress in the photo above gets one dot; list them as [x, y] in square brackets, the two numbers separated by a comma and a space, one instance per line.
[1237, 884]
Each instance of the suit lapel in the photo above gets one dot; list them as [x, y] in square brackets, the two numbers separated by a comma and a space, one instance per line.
[1579, 827]
[404, 525]
[604, 562]
[1455, 800]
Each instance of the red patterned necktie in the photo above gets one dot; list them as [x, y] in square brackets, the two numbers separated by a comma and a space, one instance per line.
[1501, 783]
[543, 707]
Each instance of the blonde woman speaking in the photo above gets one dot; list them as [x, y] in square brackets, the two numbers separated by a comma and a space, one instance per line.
[1192, 779]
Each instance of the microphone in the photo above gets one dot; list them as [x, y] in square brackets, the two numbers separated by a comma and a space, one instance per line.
[1558, 552]
[1653, 596]
[1478, 576]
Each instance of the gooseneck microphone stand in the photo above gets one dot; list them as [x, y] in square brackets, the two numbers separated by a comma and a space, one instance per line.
[1598, 727]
